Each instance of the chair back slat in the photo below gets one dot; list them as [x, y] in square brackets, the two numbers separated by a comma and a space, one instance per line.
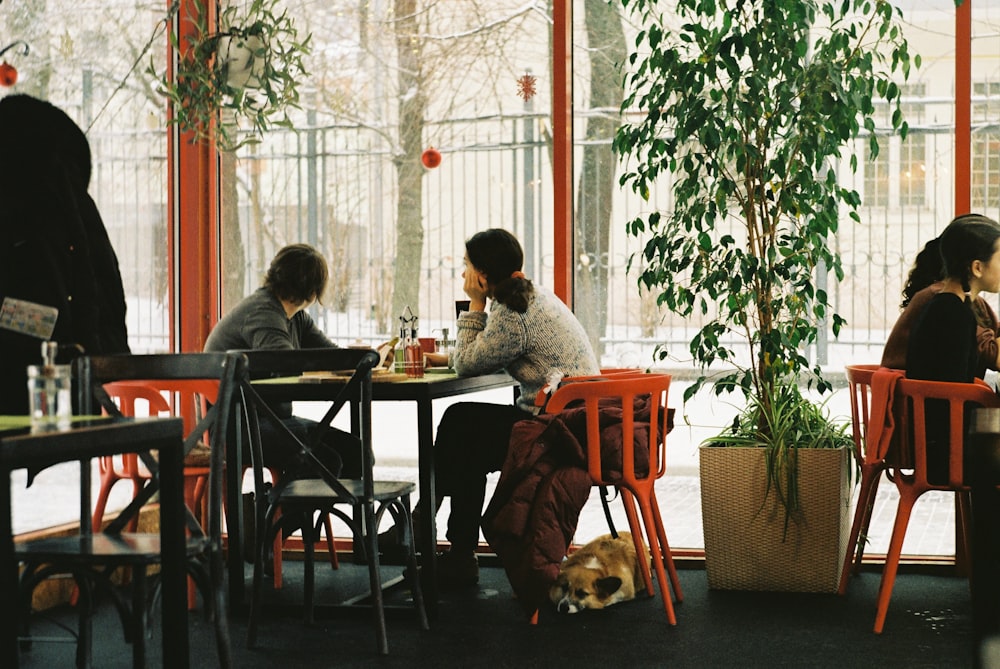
[209, 376]
[356, 390]
[624, 389]
[924, 404]
[859, 382]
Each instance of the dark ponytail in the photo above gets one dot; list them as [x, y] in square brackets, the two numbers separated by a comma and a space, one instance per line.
[513, 293]
[498, 255]
[928, 268]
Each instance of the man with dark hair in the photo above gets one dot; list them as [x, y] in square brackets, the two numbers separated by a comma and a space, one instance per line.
[274, 317]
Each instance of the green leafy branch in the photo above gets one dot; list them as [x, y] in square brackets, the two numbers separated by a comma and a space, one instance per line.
[203, 86]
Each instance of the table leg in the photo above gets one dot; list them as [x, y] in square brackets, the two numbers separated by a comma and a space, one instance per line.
[234, 513]
[428, 500]
[176, 653]
[8, 587]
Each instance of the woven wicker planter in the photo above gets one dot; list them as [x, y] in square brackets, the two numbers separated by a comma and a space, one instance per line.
[744, 549]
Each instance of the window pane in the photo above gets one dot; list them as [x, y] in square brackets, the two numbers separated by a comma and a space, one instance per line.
[88, 60]
[386, 83]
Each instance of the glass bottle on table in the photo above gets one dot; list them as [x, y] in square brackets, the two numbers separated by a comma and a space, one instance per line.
[414, 353]
[49, 392]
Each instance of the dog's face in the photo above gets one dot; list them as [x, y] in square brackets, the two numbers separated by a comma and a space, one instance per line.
[579, 588]
[602, 573]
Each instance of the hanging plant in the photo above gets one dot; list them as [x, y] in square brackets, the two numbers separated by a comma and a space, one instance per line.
[249, 71]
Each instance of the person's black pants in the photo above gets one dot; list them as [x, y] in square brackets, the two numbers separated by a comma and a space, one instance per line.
[339, 451]
[472, 441]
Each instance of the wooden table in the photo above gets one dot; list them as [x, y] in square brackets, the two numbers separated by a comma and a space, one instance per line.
[19, 449]
[423, 391]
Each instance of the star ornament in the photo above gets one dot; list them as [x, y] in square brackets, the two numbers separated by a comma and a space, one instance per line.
[526, 87]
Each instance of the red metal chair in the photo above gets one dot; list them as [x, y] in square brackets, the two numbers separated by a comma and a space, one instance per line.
[186, 398]
[908, 466]
[633, 488]
[190, 400]
[859, 381]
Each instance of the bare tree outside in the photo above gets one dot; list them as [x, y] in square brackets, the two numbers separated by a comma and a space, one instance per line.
[390, 71]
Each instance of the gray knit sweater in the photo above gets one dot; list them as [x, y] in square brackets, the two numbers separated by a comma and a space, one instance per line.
[531, 346]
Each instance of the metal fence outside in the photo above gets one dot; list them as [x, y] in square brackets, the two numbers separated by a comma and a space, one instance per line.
[334, 187]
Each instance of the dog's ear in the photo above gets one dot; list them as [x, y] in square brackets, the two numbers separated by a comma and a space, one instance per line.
[607, 586]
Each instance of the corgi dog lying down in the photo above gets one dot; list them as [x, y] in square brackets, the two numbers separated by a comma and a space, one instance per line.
[601, 573]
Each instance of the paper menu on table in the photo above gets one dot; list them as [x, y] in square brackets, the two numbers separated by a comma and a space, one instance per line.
[30, 318]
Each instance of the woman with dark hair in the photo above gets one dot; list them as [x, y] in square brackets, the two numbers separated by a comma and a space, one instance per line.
[54, 248]
[943, 347]
[275, 318]
[922, 284]
[530, 333]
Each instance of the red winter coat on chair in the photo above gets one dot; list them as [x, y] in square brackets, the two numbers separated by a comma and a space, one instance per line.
[543, 485]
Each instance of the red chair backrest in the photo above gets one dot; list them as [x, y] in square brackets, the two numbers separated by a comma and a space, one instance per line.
[910, 410]
[188, 398]
[859, 383]
[625, 389]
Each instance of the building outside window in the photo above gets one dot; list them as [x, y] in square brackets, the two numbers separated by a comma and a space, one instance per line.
[897, 177]
[913, 150]
[985, 144]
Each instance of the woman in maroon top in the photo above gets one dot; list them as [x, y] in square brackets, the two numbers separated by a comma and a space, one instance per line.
[923, 283]
[943, 347]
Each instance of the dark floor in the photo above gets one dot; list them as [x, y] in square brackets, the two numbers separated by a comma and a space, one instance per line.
[927, 626]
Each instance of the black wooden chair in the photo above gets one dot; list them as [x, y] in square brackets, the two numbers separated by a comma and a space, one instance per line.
[93, 558]
[294, 500]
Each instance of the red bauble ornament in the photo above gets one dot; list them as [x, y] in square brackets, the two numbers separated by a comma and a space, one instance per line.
[8, 74]
[431, 158]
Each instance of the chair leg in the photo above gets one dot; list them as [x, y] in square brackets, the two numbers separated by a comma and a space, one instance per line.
[137, 485]
[628, 501]
[217, 569]
[665, 554]
[97, 519]
[859, 527]
[657, 552]
[309, 536]
[85, 631]
[866, 521]
[278, 556]
[906, 502]
[411, 549]
[139, 617]
[330, 543]
[25, 587]
[963, 521]
[370, 537]
[266, 532]
[194, 492]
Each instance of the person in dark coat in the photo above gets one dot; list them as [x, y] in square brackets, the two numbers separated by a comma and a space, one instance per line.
[54, 248]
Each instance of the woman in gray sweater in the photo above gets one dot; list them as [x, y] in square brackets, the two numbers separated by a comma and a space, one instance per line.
[531, 334]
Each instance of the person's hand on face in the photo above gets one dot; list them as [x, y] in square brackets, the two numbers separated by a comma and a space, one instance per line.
[475, 287]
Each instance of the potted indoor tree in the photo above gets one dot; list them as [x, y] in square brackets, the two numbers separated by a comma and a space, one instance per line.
[249, 70]
[747, 106]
